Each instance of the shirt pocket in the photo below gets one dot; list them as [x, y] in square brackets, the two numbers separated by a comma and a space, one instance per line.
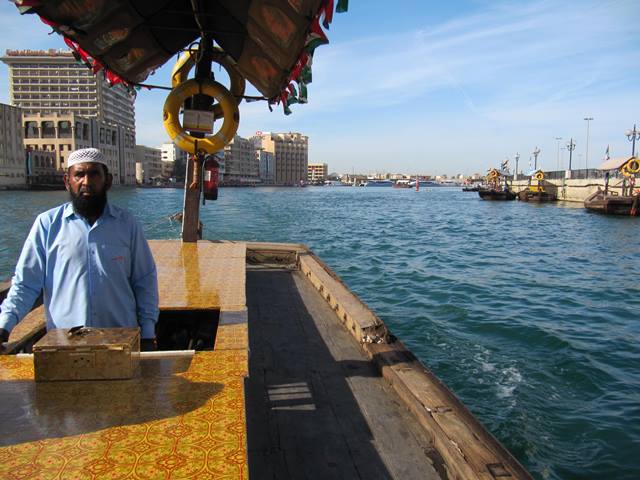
[116, 260]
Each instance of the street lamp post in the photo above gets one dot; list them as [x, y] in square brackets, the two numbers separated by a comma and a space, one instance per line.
[632, 135]
[517, 159]
[558, 157]
[588, 119]
[536, 152]
[571, 146]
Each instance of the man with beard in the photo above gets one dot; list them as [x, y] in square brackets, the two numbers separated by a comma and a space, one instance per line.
[89, 258]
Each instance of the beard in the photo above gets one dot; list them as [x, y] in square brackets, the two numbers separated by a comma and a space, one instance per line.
[91, 206]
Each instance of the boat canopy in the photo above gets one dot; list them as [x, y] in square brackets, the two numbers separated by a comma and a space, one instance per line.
[614, 163]
[271, 41]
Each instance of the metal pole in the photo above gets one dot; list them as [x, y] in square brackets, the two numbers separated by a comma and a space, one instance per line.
[558, 155]
[536, 152]
[517, 158]
[570, 146]
[588, 119]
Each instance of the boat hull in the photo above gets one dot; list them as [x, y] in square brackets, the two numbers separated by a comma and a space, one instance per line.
[536, 197]
[613, 204]
[496, 195]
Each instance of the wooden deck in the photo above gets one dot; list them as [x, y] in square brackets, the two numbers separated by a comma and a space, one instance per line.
[317, 408]
[304, 381]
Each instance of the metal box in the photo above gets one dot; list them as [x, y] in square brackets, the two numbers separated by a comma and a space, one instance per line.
[87, 354]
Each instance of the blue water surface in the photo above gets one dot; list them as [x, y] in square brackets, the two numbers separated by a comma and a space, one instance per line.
[529, 313]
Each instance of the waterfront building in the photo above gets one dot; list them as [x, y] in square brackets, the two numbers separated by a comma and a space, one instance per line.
[41, 169]
[12, 154]
[52, 81]
[266, 165]
[174, 161]
[317, 173]
[64, 133]
[241, 164]
[290, 151]
[148, 163]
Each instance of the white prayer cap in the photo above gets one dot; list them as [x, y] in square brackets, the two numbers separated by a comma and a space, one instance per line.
[86, 155]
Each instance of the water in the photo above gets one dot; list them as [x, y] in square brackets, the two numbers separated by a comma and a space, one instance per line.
[529, 313]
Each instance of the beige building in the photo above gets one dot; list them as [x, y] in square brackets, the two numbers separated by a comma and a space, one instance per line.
[68, 107]
[12, 155]
[148, 163]
[48, 81]
[240, 162]
[290, 151]
[64, 133]
[317, 172]
[173, 160]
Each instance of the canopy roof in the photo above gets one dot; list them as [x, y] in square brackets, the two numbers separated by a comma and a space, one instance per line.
[270, 40]
[614, 163]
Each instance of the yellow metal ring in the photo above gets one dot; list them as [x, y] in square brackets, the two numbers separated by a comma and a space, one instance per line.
[633, 166]
[186, 62]
[210, 143]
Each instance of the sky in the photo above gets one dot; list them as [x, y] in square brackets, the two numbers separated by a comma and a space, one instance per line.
[441, 87]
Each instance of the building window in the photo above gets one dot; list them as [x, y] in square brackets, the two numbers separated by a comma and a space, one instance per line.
[64, 129]
[101, 135]
[31, 130]
[48, 129]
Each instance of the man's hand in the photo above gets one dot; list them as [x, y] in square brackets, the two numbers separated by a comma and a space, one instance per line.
[148, 345]
[4, 337]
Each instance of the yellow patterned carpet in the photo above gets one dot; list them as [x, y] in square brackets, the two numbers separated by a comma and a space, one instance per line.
[181, 418]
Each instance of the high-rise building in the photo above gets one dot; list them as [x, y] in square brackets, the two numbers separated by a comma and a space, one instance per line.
[241, 165]
[317, 173]
[12, 154]
[290, 151]
[52, 81]
[148, 163]
[68, 107]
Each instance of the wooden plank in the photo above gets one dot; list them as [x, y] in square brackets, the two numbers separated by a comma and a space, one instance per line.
[351, 311]
[316, 407]
[468, 449]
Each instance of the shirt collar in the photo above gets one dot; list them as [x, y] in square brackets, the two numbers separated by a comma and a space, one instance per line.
[109, 209]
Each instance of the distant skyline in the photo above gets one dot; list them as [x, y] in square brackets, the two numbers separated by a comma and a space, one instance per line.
[440, 89]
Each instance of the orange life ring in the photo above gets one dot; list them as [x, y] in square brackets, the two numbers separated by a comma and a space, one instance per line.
[186, 62]
[210, 143]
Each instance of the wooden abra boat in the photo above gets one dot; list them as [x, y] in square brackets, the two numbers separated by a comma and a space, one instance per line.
[491, 194]
[327, 392]
[607, 203]
[610, 203]
[494, 191]
[536, 193]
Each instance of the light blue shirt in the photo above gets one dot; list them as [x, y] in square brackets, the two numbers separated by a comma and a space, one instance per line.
[100, 275]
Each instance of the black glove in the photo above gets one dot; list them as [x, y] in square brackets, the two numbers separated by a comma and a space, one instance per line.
[148, 345]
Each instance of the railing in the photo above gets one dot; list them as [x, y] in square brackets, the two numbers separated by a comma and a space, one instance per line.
[580, 174]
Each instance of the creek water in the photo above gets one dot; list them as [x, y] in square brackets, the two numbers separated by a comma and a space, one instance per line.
[529, 313]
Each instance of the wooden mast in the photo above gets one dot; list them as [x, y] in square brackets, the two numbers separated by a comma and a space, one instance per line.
[193, 177]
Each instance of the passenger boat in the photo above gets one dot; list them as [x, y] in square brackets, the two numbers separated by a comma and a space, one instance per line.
[378, 183]
[611, 203]
[327, 392]
[536, 193]
[494, 190]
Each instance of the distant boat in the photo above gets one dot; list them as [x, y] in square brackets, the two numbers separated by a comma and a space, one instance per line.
[492, 194]
[424, 183]
[379, 183]
[402, 184]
